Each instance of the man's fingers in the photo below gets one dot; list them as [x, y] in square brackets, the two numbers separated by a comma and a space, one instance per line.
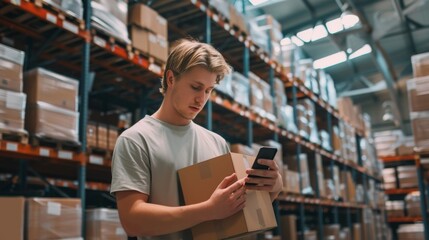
[236, 186]
[269, 163]
[261, 181]
[227, 181]
[262, 173]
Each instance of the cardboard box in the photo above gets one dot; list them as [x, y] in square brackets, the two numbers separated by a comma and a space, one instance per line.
[91, 135]
[237, 19]
[103, 223]
[158, 47]
[411, 231]
[418, 94]
[12, 217]
[200, 180]
[288, 227]
[11, 61]
[71, 7]
[357, 232]
[395, 208]
[332, 230]
[420, 64]
[160, 27]
[46, 120]
[118, 9]
[143, 16]
[53, 218]
[304, 173]
[102, 136]
[49, 87]
[12, 110]
[243, 149]
[420, 124]
[310, 235]
[316, 174]
[140, 38]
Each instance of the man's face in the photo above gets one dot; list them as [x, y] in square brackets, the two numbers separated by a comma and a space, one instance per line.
[190, 92]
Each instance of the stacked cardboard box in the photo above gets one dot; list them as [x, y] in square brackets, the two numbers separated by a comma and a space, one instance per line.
[395, 208]
[71, 7]
[238, 20]
[221, 6]
[12, 100]
[243, 149]
[332, 231]
[53, 218]
[418, 94]
[411, 232]
[12, 217]
[357, 231]
[307, 120]
[332, 92]
[337, 136]
[286, 118]
[316, 176]
[51, 105]
[310, 235]
[111, 17]
[104, 223]
[91, 135]
[198, 183]
[420, 64]
[101, 136]
[387, 141]
[304, 173]
[413, 204]
[407, 176]
[225, 85]
[240, 89]
[348, 144]
[325, 140]
[350, 112]
[261, 99]
[389, 178]
[348, 187]
[149, 31]
[290, 180]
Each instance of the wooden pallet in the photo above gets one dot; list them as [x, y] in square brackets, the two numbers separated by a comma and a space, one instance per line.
[54, 143]
[14, 136]
[60, 13]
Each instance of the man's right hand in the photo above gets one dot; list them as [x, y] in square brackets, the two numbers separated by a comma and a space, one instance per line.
[228, 198]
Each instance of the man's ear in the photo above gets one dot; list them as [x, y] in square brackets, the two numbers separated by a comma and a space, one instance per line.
[170, 78]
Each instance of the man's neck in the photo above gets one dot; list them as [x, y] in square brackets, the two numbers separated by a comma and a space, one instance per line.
[166, 113]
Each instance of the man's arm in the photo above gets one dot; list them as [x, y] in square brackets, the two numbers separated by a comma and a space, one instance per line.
[140, 218]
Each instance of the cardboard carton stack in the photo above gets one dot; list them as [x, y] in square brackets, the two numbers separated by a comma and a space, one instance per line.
[261, 99]
[304, 172]
[418, 95]
[12, 217]
[389, 178]
[413, 204]
[395, 208]
[149, 31]
[420, 65]
[71, 7]
[51, 105]
[103, 223]
[200, 180]
[265, 30]
[411, 231]
[101, 136]
[53, 218]
[386, 142]
[12, 100]
[307, 120]
[407, 176]
[240, 89]
[317, 176]
[290, 180]
[288, 227]
[110, 16]
[225, 85]
[348, 144]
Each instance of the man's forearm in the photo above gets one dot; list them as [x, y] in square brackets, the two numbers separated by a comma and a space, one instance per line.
[146, 219]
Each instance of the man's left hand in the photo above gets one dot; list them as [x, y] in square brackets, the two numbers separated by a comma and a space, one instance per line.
[267, 180]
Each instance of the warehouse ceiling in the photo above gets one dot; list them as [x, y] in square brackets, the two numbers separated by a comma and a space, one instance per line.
[395, 29]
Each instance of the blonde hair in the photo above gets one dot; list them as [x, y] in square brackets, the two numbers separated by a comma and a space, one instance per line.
[188, 54]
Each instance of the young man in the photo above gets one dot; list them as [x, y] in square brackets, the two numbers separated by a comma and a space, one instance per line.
[147, 155]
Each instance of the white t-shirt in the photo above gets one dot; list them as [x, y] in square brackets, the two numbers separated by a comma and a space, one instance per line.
[147, 156]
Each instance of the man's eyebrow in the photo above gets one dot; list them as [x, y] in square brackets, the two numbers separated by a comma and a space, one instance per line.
[201, 84]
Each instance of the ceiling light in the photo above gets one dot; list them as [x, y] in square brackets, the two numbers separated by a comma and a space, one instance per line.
[257, 2]
[335, 25]
[319, 32]
[297, 41]
[330, 60]
[349, 50]
[361, 51]
[349, 19]
[306, 34]
[285, 41]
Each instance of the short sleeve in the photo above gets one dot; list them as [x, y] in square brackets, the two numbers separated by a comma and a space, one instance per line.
[130, 167]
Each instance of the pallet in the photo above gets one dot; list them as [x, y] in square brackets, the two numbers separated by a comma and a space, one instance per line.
[14, 136]
[60, 13]
[54, 143]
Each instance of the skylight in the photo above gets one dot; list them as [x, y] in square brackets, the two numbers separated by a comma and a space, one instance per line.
[257, 2]
[285, 41]
[335, 25]
[319, 32]
[305, 35]
[349, 20]
[361, 51]
[330, 60]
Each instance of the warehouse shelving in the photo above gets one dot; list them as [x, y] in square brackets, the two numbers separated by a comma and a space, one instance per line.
[109, 58]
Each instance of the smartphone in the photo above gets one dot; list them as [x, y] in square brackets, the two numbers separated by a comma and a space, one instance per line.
[264, 153]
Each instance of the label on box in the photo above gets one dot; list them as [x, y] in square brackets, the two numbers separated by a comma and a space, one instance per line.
[215, 17]
[44, 152]
[71, 27]
[99, 41]
[51, 18]
[96, 160]
[162, 20]
[12, 147]
[15, 100]
[54, 208]
[65, 154]
[226, 26]
[16, 2]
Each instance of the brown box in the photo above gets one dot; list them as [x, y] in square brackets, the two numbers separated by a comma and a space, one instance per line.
[318, 173]
[12, 110]
[46, 120]
[158, 47]
[243, 149]
[357, 232]
[332, 230]
[411, 231]
[200, 180]
[143, 16]
[238, 20]
[405, 150]
[46, 86]
[160, 26]
[140, 38]
[11, 61]
[53, 218]
[12, 217]
[420, 64]
[420, 124]
[112, 137]
[103, 223]
[395, 208]
[418, 94]
[91, 135]
[102, 136]
[288, 227]
[304, 174]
